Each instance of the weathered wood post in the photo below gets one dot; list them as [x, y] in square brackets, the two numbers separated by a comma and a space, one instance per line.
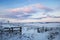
[1, 33]
[11, 29]
[20, 30]
[38, 30]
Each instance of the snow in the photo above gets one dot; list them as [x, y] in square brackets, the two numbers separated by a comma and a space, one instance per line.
[30, 33]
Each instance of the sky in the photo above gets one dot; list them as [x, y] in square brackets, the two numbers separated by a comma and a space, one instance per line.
[30, 10]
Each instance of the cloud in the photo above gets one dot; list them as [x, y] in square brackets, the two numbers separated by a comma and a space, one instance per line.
[55, 13]
[23, 9]
[30, 8]
[32, 20]
[39, 6]
[26, 11]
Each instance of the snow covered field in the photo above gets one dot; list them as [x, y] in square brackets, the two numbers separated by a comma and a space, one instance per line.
[34, 31]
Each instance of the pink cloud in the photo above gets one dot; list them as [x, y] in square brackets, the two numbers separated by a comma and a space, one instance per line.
[28, 9]
[22, 12]
[14, 10]
[39, 6]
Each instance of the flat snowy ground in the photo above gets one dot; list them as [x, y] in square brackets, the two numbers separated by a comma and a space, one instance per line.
[32, 34]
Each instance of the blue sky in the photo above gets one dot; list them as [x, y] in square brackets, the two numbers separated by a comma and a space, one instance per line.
[19, 3]
[30, 9]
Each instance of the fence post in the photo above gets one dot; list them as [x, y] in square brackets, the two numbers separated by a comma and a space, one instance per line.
[38, 30]
[1, 35]
[11, 29]
[20, 30]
